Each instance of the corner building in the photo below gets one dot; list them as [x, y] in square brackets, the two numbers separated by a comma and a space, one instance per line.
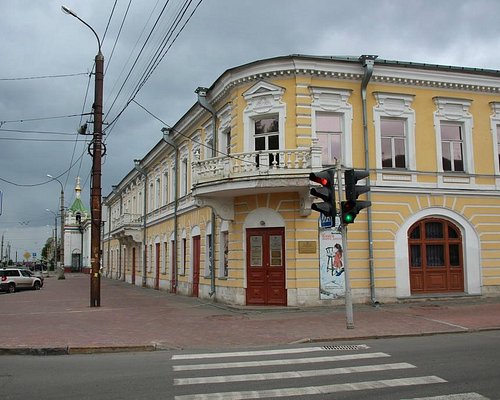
[235, 195]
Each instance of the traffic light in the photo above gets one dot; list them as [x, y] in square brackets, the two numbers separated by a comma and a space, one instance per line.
[352, 206]
[326, 193]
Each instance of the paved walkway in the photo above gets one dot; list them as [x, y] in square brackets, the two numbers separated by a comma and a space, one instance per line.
[58, 319]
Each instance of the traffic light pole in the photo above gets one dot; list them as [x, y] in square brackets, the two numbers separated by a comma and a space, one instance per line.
[345, 259]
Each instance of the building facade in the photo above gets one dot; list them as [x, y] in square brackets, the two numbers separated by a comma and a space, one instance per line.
[220, 207]
[77, 235]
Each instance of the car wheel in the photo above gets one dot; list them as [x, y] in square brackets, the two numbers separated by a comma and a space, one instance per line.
[36, 285]
[11, 288]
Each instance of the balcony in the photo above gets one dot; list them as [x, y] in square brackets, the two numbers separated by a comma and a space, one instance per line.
[216, 181]
[127, 226]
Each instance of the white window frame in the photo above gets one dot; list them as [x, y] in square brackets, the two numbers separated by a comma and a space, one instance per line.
[166, 194]
[224, 130]
[263, 99]
[495, 135]
[335, 101]
[183, 178]
[397, 106]
[454, 110]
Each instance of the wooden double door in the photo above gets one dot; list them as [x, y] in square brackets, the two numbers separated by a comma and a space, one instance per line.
[266, 266]
[436, 257]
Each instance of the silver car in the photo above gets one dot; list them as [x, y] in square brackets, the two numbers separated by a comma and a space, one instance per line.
[13, 279]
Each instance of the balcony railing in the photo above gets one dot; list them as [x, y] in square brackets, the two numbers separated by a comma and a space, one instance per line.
[127, 220]
[256, 164]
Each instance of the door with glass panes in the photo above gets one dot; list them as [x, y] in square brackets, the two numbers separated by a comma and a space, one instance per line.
[436, 257]
[266, 266]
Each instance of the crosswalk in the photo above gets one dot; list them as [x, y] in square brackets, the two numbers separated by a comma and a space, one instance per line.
[297, 372]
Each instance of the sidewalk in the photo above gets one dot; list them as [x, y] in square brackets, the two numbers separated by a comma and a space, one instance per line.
[59, 320]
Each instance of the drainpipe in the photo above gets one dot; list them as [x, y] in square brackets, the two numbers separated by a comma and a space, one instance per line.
[368, 62]
[168, 139]
[143, 172]
[202, 101]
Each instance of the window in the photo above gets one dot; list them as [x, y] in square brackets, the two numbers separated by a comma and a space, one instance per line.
[332, 124]
[158, 193]
[184, 166]
[498, 144]
[394, 131]
[329, 134]
[208, 255]
[151, 197]
[263, 121]
[166, 198]
[453, 124]
[266, 137]
[452, 147]
[393, 140]
[224, 267]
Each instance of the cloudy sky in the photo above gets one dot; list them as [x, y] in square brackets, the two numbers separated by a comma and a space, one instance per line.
[47, 57]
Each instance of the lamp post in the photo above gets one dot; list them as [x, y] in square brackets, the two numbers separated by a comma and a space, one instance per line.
[96, 153]
[61, 251]
[143, 172]
[168, 139]
[55, 236]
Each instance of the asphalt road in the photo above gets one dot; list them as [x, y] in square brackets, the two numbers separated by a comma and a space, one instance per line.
[456, 367]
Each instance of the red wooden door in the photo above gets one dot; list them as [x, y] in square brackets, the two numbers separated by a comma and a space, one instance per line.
[133, 265]
[196, 265]
[266, 267]
[157, 267]
[436, 259]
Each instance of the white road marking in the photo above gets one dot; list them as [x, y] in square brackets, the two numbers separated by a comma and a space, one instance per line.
[309, 360]
[312, 390]
[254, 353]
[458, 396]
[291, 374]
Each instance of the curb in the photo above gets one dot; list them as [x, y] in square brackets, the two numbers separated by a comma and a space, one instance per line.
[58, 351]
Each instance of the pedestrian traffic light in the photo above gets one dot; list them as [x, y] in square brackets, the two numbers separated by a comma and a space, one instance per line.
[326, 193]
[352, 206]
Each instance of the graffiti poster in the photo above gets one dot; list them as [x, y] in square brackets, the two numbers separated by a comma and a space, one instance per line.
[331, 265]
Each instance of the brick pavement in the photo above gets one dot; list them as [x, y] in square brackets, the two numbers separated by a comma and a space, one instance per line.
[58, 319]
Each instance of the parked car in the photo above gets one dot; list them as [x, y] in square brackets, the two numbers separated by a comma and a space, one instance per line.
[12, 279]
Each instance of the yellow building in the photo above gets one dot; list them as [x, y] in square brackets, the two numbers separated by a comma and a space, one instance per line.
[237, 196]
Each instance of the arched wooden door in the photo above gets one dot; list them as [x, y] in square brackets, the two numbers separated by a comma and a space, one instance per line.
[436, 257]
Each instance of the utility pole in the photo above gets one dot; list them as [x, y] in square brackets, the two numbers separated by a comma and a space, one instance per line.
[97, 151]
[96, 214]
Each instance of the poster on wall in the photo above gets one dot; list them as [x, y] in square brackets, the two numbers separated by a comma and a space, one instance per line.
[331, 266]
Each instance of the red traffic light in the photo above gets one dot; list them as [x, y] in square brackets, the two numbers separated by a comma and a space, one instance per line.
[322, 181]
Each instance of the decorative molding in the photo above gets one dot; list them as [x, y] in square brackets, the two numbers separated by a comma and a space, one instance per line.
[452, 109]
[263, 97]
[223, 208]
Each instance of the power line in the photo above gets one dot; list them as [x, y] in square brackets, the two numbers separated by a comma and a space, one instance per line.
[42, 118]
[153, 64]
[43, 77]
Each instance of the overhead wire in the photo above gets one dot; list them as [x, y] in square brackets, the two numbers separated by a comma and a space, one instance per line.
[42, 77]
[152, 67]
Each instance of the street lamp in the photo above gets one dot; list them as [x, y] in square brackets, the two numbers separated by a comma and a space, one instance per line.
[55, 235]
[144, 173]
[96, 153]
[61, 251]
[168, 139]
